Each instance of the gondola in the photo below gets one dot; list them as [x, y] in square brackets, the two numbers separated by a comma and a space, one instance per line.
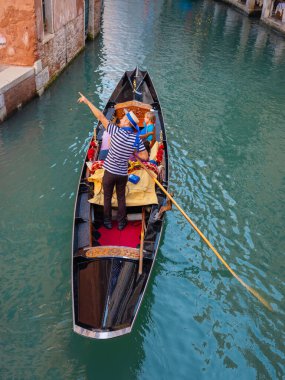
[107, 286]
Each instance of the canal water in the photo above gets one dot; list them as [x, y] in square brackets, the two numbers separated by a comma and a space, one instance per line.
[220, 78]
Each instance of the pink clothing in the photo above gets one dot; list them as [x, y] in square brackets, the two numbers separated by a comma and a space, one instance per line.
[105, 141]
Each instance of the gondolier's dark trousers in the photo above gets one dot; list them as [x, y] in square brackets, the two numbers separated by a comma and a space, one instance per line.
[109, 182]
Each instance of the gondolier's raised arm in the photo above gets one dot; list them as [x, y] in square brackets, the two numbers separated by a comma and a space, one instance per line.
[97, 113]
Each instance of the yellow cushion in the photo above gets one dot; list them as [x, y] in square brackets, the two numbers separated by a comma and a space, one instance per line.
[153, 151]
[140, 194]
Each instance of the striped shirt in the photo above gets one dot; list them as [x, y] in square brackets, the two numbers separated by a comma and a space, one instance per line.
[121, 148]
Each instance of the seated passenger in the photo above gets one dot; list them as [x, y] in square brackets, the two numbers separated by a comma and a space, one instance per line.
[148, 132]
[106, 138]
[146, 144]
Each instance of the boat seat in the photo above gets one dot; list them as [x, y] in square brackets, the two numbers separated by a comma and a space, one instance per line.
[83, 233]
[134, 217]
[137, 107]
[84, 187]
[82, 221]
[83, 206]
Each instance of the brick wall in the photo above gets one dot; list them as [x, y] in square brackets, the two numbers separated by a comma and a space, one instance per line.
[53, 53]
[75, 38]
[17, 96]
[57, 52]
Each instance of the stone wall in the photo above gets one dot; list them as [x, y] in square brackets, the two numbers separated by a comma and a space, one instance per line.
[18, 32]
[58, 49]
[269, 17]
[17, 87]
[75, 37]
[17, 96]
[94, 17]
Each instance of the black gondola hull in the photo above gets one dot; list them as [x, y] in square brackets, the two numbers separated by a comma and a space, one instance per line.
[107, 291]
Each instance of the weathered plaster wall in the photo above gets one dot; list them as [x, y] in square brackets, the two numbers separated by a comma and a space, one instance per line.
[65, 44]
[97, 17]
[17, 32]
[65, 11]
[68, 39]
[39, 19]
[94, 18]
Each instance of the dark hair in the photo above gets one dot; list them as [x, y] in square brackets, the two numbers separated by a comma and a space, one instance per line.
[147, 146]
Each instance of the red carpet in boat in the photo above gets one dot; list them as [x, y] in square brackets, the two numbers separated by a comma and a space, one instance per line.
[129, 237]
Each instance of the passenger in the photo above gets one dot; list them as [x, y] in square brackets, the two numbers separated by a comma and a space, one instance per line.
[124, 139]
[148, 132]
[105, 146]
[146, 144]
[148, 149]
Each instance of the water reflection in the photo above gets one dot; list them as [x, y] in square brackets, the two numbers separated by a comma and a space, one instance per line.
[232, 20]
[279, 52]
[249, 30]
[261, 39]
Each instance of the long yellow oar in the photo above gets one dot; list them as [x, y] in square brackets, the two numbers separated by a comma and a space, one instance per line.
[251, 290]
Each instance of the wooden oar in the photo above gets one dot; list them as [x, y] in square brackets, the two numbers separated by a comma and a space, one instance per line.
[141, 245]
[251, 290]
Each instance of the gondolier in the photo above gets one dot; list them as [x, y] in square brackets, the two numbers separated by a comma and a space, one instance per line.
[124, 140]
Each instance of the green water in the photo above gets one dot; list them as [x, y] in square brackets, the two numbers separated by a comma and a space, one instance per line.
[221, 81]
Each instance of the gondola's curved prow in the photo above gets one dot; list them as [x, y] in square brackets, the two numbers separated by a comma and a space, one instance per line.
[106, 289]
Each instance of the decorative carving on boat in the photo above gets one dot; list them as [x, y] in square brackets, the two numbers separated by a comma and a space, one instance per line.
[132, 253]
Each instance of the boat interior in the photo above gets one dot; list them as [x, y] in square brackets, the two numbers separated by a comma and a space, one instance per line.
[144, 200]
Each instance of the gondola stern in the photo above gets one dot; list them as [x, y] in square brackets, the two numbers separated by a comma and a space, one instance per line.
[107, 294]
[101, 334]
